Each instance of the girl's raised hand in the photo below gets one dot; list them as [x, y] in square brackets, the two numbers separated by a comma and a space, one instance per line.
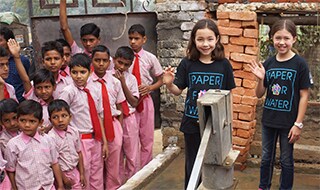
[14, 47]
[168, 75]
[257, 69]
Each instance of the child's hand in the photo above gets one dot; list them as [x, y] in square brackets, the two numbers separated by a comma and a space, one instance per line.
[105, 151]
[257, 69]
[168, 75]
[143, 90]
[83, 181]
[14, 47]
[294, 134]
[119, 76]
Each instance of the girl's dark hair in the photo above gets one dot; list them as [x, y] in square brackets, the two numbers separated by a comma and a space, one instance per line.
[100, 48]
[8, 106]
[58, 105]
[125, 52]
[192, 51]
[284, 24]
[81, 60]
[64, 43]
[90, 29]
[51, 45]
[137, 28]
[3, 52]
[28, 107]
[43, 75]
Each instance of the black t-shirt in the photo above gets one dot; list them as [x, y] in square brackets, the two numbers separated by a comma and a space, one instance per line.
[283, 81]
[197, 76]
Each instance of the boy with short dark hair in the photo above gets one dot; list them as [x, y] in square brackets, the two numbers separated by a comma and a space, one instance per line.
[68, 145]
[6, 90]
[145, 68]
[32, 158]
[13, 78]
[64, 70]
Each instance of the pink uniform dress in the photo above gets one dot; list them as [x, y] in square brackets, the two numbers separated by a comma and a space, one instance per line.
[68, 145]
[5, 136]
[116, 96]
[149, 68]
[4, 185]
[130, 147]
[61, 83]
[91, 148]
[32, 96]
[31, 159]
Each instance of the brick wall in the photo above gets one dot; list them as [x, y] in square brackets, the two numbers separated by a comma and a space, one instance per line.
[266, 1]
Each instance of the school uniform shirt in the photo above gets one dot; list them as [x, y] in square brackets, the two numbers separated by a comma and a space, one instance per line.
[283, 82]
[197, 76]
[32, 96]
[79, 106]
[14, 78]
[114, 88]
[61, 83]
[68, 145]
[149, 67]
[132, 85]
[11, 91]
[5, 136]
[3, 162]
[31, 159]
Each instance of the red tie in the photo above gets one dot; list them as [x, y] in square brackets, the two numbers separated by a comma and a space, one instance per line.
[94, 116]
[63, 73]
[108, 121]
[5, 92]
[125, 108]
[136, 73]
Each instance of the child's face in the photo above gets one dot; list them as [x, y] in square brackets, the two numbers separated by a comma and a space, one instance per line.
[205, 40]
[3, 42]
[60, 119]
[89, 42]
[44, 90]
[283, 41]
[10, 121]
[4, 67]
[53, 61]
[29, 124]
[100, 63]
[122, 64]
[79, 75]
[136, 41]
[66, 56]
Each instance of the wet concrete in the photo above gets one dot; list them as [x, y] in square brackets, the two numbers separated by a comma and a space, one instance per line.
[172, 178]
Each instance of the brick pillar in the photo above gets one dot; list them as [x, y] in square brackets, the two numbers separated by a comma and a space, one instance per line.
[239, 35]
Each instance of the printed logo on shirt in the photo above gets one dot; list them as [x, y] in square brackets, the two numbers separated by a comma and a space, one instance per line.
[281, 86]
[200, 81]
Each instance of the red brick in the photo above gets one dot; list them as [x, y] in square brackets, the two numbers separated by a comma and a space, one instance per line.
[251, 33]
[247, 116]
[243, 16]
[236, 65]
[238, 90]
[243, 41]
[243, 124]
[236, 99]
[223, 22]
[226, 1]
[249, 100]
[235, 116]
[249, 83]
[224, 39]
[241, 57]
[252, 50]
[234, 132]
[238, 81]
[244, 75]
[235, 24]
[230, 31]
[250, 24]
[249, 92]
[242, 108]
[240, 166]
[252, 131]
[240, 141]
[242, 149]
[222, 15]
[234, 48]
[243, 133]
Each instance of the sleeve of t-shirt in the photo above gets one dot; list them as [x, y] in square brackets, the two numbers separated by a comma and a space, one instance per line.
[75, 48]
[304, 74]
[11, 157]
[156, 68]
[181, 79]
[229, 74]
[121, 97]
[133, 86]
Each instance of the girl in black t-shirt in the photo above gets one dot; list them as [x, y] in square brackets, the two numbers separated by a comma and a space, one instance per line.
[204, 68]
[285, 77]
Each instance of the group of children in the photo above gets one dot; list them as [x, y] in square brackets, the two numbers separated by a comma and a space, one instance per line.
[87, 122]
